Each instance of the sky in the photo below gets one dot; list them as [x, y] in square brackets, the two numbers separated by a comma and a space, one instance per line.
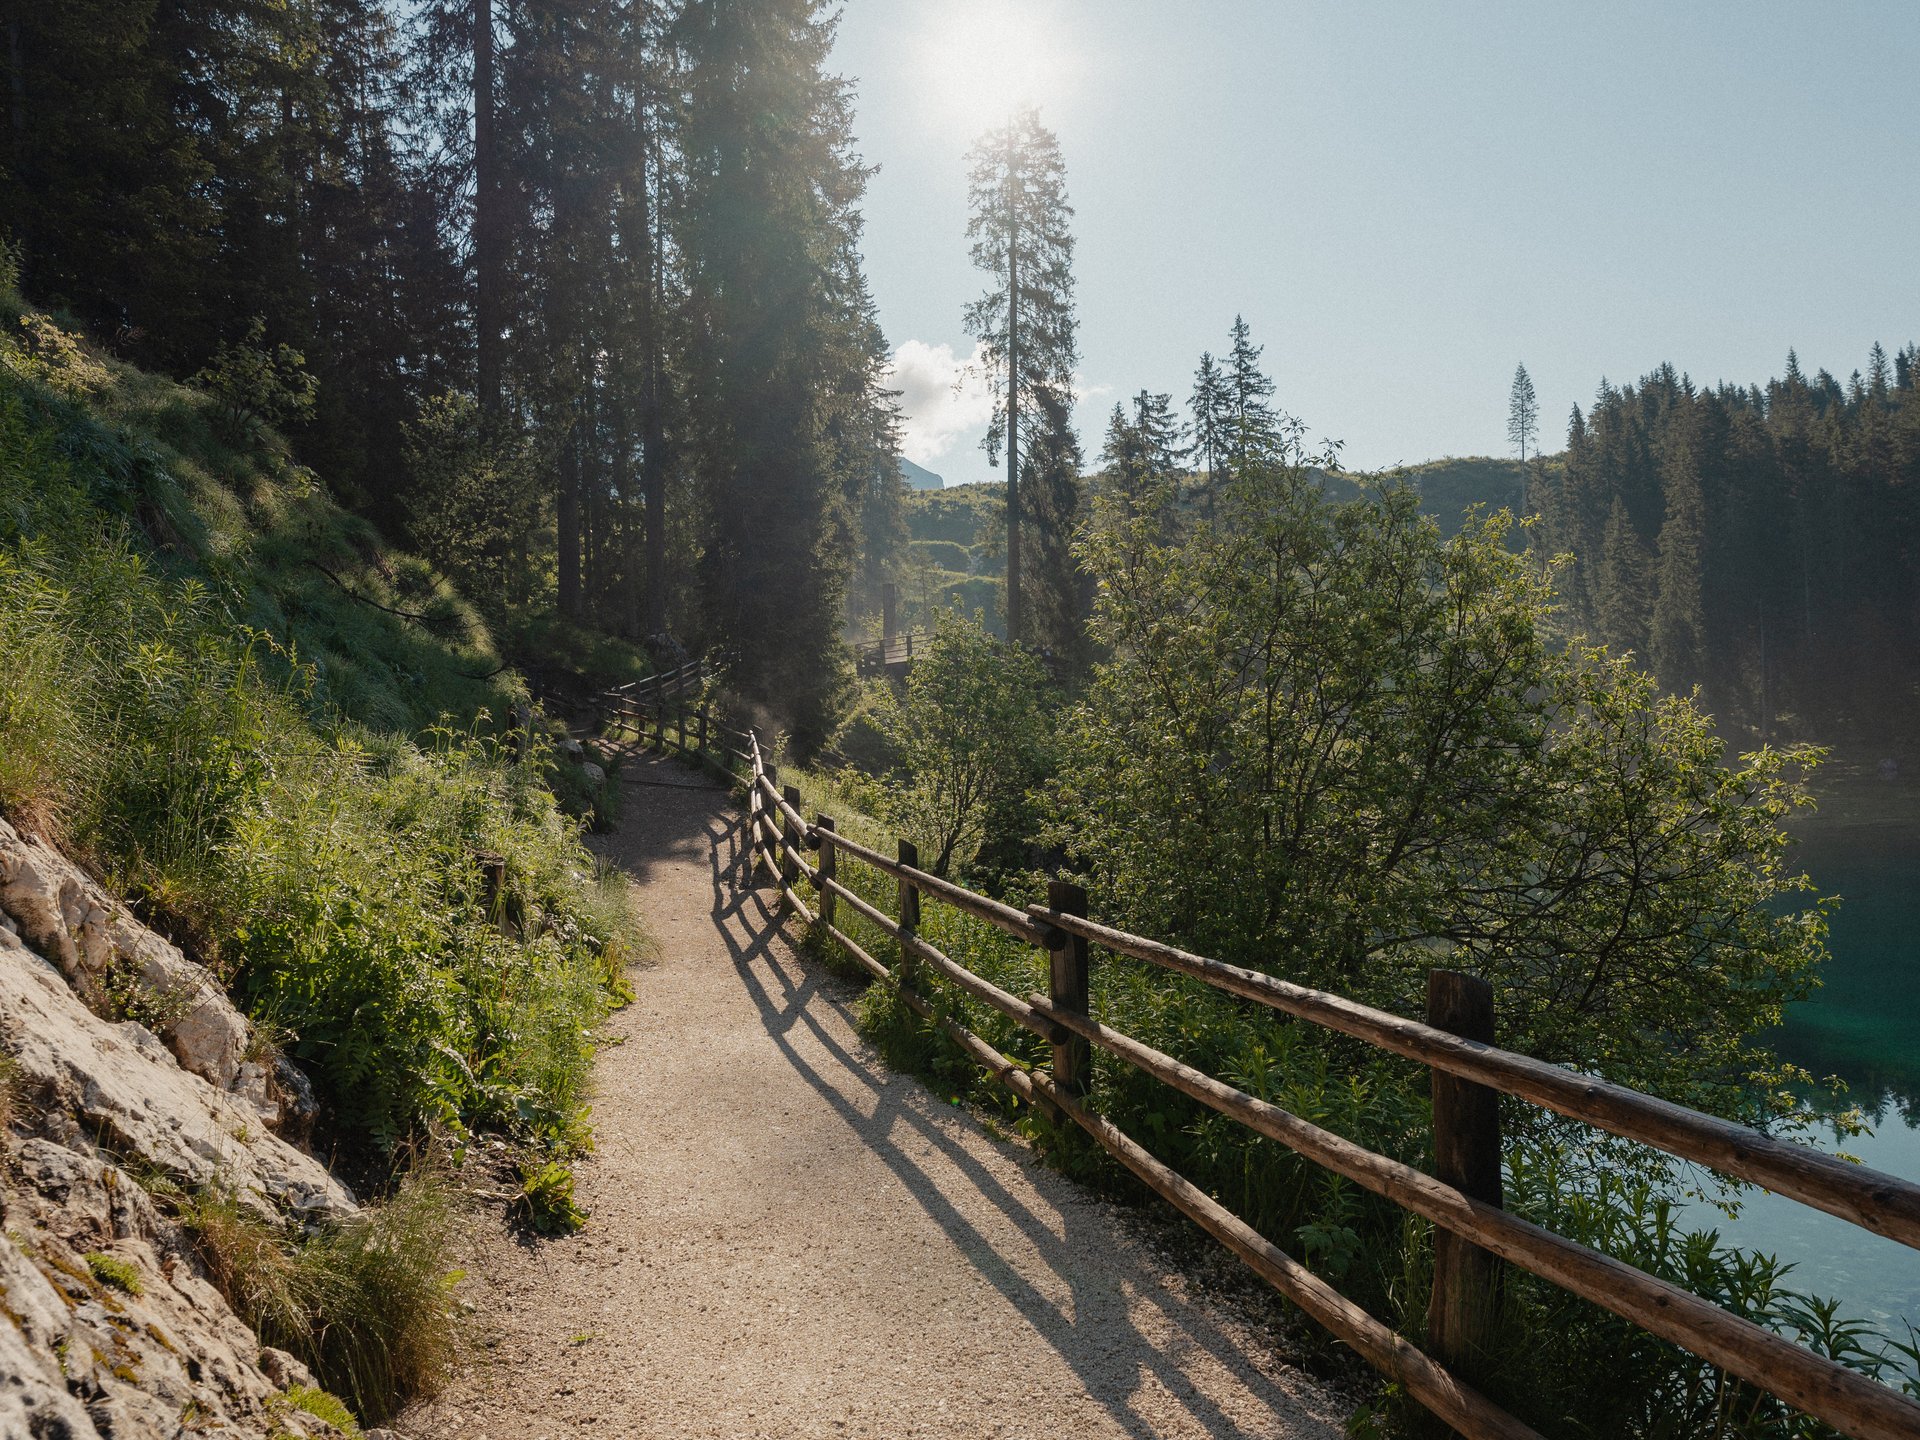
[1404, 200]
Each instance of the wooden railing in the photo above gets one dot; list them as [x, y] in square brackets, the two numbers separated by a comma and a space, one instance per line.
[1473, 1234]
[892, 651]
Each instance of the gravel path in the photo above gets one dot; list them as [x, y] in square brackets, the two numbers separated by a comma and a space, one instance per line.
[788, 1240]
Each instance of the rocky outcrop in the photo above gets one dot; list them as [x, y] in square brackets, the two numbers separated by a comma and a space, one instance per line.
[121, 968]
[118, 1086]
[109, 1327]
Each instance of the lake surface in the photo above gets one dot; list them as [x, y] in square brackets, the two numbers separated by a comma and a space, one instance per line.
[1863, 1026]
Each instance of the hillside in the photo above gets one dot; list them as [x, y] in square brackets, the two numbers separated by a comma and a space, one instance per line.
[956, 536]
[245, 746]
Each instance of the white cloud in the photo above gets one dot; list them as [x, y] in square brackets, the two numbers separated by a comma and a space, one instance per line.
[941, 399]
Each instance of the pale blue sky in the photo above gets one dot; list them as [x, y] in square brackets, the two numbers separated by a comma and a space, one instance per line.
[1407, 199]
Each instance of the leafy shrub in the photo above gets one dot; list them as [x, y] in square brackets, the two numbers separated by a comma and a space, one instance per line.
[942, 554]
[546, 1200]
[970, 735]
[253, 386]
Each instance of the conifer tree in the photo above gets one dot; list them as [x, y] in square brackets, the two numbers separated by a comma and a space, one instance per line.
[1523, 415]
[778, 348]
[1253, 428]
[1211, 408]
[1678, 631]
[1623, 583]
[1017, 197]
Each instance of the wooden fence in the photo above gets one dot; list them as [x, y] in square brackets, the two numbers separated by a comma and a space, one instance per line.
[1473, 1235]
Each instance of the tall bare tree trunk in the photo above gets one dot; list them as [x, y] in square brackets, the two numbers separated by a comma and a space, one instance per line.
[1016, 611]
[488, 254]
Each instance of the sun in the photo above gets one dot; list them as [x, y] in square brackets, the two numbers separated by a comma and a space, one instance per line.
[984, 59]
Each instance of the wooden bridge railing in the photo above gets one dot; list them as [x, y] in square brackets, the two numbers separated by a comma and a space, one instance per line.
[1473, 1234]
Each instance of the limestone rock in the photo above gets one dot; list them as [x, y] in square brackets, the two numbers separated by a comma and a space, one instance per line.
[65, 915]
[109, 1328]
[120, 1084]
[595, 775]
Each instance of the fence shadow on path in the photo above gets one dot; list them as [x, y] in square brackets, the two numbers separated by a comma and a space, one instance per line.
[788, 991]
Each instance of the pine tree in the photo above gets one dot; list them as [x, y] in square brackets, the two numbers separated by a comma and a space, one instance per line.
[1623, 583]
[1253, 428]
[1678, 630]
[1211, 408]
[1523, 415]
[777, 349]
[1025, 324]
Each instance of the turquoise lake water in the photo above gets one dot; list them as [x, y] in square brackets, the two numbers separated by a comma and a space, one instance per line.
[1863, 1026]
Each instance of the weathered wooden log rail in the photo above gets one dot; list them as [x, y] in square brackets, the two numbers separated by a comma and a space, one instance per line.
[1473, 1234]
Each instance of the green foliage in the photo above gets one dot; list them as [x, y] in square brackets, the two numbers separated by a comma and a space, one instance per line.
[546, 1198]
[365, 1304]
[1333, 745]
[55, 358]
[260, 787]
[971, 737]
[112, 1270]
[942, 554]
[253, 385]
[322, 1405]
[474, 502]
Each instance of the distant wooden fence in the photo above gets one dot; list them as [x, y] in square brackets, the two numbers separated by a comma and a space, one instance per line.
[893, 652]
[1473, 1234]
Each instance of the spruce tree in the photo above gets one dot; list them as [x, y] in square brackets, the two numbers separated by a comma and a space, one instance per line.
[1017, 198]
[777, 348]
[1211, 408]
[1254, 431]
[1523, 415]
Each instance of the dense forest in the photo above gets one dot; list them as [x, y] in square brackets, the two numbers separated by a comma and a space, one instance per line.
[577, 284]
[1762, 542]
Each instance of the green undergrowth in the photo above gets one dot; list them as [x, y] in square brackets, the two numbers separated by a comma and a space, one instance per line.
[285, 743]
[366, 1304]
[1563, 1364]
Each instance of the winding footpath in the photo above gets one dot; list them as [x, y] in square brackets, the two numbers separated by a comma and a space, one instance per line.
[788, 1240]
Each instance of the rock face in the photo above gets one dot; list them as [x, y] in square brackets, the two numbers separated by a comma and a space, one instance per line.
[109, 1328]
[117, 964]
[119, 1085]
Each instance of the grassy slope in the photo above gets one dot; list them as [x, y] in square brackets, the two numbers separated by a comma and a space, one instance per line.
[271, 731]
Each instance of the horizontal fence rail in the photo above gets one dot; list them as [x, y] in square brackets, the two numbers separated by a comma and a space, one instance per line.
[780, 839]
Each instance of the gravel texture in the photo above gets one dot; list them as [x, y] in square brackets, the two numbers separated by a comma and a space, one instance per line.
[787, 1239]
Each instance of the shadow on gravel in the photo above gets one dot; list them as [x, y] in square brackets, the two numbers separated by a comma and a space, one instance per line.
[1094, 1336]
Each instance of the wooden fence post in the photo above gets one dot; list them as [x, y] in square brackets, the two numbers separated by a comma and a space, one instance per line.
[829, 869]
[753, 829]
[1067, 988]
[1466, 1154]
[789, 842]
[703, 730]
[680, 727]
[909, 911]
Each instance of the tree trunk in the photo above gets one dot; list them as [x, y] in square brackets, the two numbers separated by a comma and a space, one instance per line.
[567, 515]
[487, 256]
[653, 443]
[1016, 615]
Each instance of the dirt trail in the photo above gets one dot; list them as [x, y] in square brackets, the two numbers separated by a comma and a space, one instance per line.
[789, 1240]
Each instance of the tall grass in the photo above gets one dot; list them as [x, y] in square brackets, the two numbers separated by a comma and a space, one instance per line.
[366, 1305]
